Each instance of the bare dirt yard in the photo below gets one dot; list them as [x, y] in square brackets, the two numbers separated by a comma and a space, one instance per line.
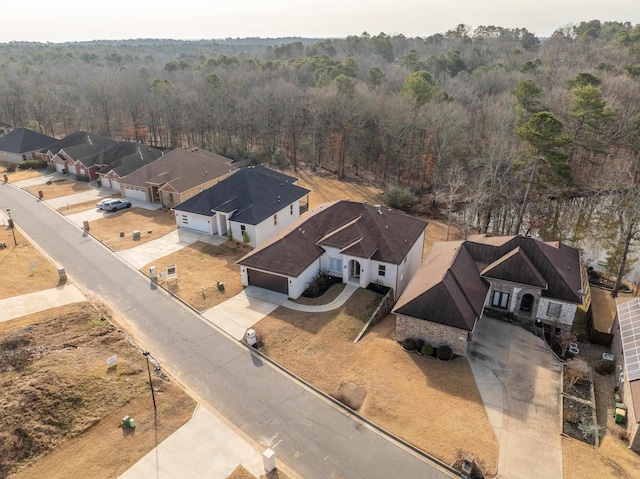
[27, 268]
[202, 265]
[241, 473]
[61, 406]
[107, 229]
[432, 404]
[59, 188]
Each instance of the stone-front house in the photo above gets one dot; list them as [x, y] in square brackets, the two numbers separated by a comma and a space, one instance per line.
[533, 280]
[356, 242]
[626, 352]
[253, 204]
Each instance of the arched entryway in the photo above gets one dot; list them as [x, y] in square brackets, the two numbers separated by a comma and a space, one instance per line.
[354, 271]
[526, 305]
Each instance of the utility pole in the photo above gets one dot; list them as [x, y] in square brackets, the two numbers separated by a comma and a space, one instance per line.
[146, 355]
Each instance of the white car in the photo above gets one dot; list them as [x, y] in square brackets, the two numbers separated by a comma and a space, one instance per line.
[113, 204]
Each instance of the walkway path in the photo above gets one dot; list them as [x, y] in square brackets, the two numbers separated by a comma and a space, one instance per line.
[342, 298]
[25, 304]
[519, 381]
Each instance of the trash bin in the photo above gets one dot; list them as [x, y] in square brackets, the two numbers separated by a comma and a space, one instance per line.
[620, 413]
[251, 337]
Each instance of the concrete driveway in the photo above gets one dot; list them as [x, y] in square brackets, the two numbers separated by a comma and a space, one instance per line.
[520, 384]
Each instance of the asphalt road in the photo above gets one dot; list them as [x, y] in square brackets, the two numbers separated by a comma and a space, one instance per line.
[308, 434]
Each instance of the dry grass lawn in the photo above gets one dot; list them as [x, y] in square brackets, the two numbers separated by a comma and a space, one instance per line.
[61, 407]
[22, 174]
[201, 265]
[432, 404]
[107, 229]
[241, 473]
[59, 188]
[15, 267]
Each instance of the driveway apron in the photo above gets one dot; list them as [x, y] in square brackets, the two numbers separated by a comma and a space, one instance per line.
[520, 384]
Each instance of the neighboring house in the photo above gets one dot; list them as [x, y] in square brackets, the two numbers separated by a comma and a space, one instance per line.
[533, 280]
[118, 160]
[254, 203]
[20, 144]
[5, 128]
[65, 153]
[626, 352]
[176, 176]
[357, 242]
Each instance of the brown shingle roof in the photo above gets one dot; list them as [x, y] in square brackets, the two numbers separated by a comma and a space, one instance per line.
[183, 169]
[357, 229]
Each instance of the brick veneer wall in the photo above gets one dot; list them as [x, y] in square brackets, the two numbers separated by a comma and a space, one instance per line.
[625, 392]
[433, 333]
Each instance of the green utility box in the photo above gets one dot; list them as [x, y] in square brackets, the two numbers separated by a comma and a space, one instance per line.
[620, 413]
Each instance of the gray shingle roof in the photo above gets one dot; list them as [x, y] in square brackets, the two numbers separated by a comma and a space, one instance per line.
[22, 140]
[357, 229]
[254, 193]
[80, 144]
[125, 156]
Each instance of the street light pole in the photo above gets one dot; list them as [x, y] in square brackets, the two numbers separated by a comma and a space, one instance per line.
[13, 231]
[146, 355]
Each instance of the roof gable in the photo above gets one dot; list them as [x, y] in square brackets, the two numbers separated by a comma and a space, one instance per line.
[333, 224]
[22, 140]
[515, 267]
[252, 194]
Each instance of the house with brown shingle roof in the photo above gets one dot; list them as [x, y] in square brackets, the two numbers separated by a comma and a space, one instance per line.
[513, 275]
[65, 153]
[356, 242]
[176, 176]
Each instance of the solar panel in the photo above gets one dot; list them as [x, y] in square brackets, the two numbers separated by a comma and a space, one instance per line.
[629, 316]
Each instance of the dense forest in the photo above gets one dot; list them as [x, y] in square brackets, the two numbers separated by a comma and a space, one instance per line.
[484, 124]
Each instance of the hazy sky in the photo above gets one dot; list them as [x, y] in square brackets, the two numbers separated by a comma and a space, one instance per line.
[77, 20]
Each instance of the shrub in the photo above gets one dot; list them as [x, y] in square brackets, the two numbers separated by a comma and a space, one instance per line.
[427, 350]
[623, 435]
[605, 367]
[245, 237]
[589, 429]
[419, 344]
[577, 370]
[34, 164]
[230, 234]
[409, 344]
[318, 285]
[445, 353]
[572, 415]
[400, 198]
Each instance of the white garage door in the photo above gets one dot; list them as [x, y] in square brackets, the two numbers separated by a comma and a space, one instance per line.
[59, 167]
[194, 222]
[115, 185]
[72, 169]
[135, 193]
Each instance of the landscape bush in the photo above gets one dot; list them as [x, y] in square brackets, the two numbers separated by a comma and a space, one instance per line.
[419, 344]
[427, 350]
[445, 353]
[33, 164]
[605, 368]
[400, 198]
[409, 344]
[572, 415]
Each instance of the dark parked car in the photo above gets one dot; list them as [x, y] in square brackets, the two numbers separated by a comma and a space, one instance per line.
[113, 204]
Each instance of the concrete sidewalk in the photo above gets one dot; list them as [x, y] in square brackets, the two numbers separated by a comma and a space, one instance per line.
[342, 298]
[203, 447]
[18, 306]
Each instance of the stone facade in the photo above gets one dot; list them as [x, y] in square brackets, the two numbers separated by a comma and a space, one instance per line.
[565, 318]
[433, 333]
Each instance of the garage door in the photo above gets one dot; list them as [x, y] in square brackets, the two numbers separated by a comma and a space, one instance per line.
[268, 281]
[135, 194]
[115, 185]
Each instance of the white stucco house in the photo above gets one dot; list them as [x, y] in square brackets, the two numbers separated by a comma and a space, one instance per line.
[251, 205]
[459, 281]
[357, 242]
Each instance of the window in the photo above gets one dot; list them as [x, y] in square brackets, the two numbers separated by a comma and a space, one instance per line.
[185, 220]
[275, 220]
[553, 310]
[335, 264]
[500, 300]
[243, 228]
[290, 209]
[382, 269]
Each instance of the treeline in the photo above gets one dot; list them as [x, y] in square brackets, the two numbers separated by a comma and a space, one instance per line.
[488, 119]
